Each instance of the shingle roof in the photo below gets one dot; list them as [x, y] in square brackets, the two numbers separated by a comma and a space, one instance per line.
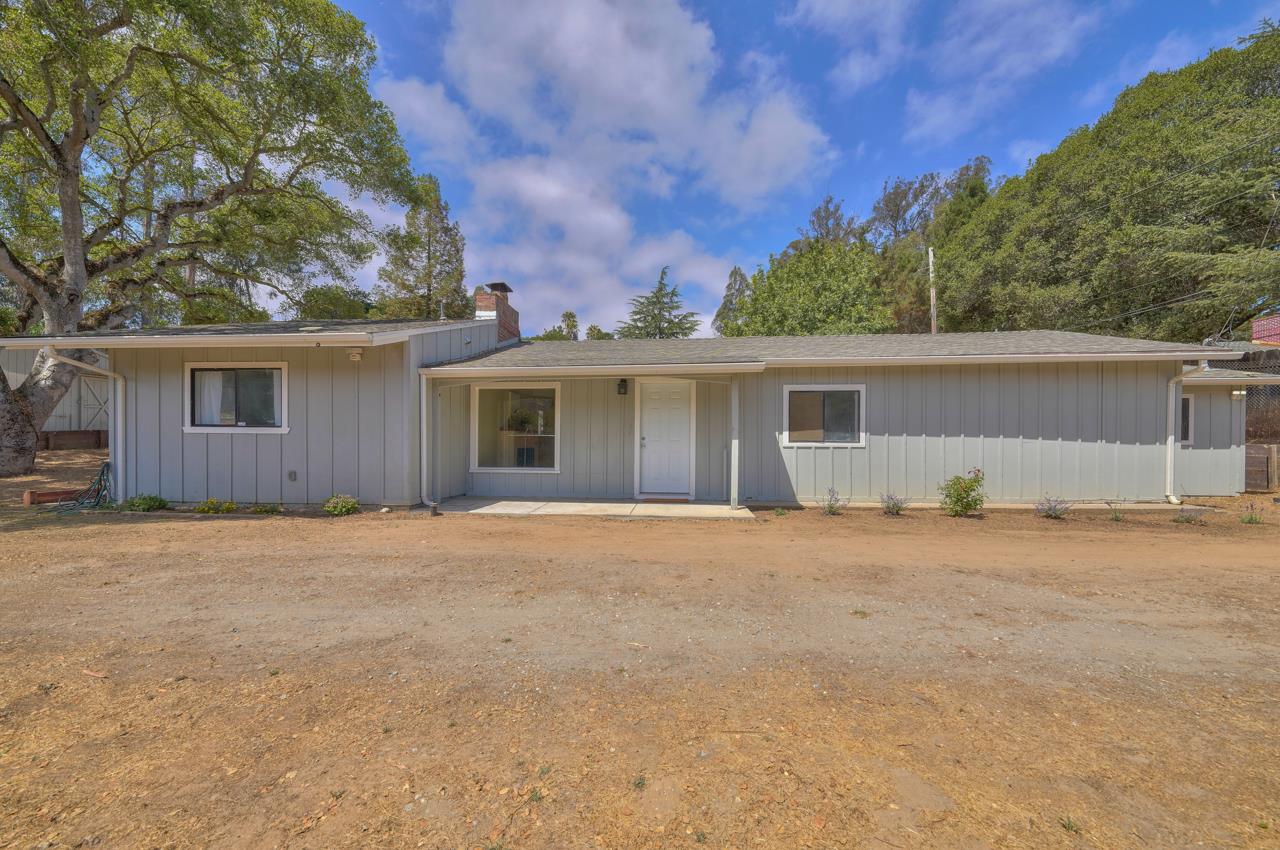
[635, 352]
[259, 328]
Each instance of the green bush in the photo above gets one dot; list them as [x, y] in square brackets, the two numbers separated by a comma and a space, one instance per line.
[892, 505]
[962, 494]
[832, 503]
[216, 506]
[266, 509]
[144, 503]
[341, 505]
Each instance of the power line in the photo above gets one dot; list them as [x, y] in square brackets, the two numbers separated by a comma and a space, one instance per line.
[1273, 131]
[1173, 302]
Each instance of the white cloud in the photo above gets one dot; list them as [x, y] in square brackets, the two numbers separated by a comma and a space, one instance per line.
[1024, 151]
[1173, 51]
[588, 105]
[873, 33]
[425, 113]
[991, 49]
[632, 86]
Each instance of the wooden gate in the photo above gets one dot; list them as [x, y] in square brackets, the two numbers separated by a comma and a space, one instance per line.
[1261, 467]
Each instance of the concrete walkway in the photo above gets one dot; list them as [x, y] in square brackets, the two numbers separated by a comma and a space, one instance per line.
[550, 507]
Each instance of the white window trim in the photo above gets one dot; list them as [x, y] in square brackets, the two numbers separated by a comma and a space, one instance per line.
[188, 367]
[1191, 420]
[861, 389]
[475, 427]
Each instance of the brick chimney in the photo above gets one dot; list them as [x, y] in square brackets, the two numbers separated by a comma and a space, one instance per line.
[491, 303]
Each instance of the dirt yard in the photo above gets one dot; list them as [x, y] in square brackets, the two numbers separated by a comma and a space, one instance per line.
[491, 682]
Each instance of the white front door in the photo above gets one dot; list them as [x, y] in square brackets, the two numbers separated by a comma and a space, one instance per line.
[665, 444]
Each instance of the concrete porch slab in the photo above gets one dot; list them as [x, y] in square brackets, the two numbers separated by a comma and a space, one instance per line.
[556, 507]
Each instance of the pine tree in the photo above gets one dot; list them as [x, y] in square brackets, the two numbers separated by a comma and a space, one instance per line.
[659, 315]
[424, 269]
[734, 291]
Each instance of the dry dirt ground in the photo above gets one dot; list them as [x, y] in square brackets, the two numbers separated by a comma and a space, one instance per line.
[797, 682]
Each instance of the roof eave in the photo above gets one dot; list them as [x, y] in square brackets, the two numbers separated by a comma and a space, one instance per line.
[641, 369]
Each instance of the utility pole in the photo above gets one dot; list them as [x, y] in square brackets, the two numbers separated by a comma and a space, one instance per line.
[933, 298]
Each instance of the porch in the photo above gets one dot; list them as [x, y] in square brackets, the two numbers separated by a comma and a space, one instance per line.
[592, 507]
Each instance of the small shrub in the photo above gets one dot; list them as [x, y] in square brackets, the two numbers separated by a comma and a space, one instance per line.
[266, 509]
[832, 503]
[144, 503]
[1251, 516]
[1051, 508]
[216, 506]
[962, 494]
[639, 783]
[779, 511]
[892, 505]
[1191, 516]
[340, 504]
[1116, 514]
[1069, 825]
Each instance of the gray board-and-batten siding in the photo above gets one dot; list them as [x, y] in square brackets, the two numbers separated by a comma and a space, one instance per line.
[1075, 430]
[354, 426]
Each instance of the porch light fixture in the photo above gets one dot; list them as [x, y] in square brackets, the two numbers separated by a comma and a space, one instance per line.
[622, 387]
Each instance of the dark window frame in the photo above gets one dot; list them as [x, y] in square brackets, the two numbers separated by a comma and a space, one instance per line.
[192, 407]
[860, 390]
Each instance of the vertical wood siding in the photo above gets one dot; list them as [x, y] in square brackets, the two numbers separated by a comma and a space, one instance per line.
[349, 429]
[1214, 463]
[1075, 430]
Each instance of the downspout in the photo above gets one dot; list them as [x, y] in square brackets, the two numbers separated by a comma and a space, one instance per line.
[424, 440]
[1171, 435]
[116, 446]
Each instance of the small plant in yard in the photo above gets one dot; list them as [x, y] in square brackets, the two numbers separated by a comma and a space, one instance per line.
[266, 509]
[144, 503]
[1051, 508]
[1069, 825]
[1116, 515]
[892, 505]
[832, 503]
[1191, 516]
[216, 506]
[1251, 516]
[639, 783]
[700, 837]
[536, 795]
[341, 505]
[962, 494]
[779, 511]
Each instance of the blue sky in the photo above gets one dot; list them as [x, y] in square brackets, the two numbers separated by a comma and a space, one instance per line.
[584, 144]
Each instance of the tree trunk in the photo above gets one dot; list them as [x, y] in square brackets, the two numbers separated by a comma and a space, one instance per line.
[25, 409]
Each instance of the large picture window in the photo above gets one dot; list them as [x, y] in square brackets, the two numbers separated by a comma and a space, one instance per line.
[823, 415]
[245, 397]
[515, 428]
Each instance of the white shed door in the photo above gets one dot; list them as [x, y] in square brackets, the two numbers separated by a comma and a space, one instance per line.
[93, 403]
[664, 438]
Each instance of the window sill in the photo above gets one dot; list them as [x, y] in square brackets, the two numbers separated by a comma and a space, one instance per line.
[526, 470]
[787, 445]
[231, 429]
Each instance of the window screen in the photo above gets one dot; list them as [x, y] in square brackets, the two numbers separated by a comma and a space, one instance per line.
[824, 416]
[236, 398]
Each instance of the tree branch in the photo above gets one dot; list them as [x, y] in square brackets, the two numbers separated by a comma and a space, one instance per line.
[27, 279]
[27, 118]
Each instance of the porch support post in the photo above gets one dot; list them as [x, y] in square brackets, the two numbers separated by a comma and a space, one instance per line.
[734, 429]
[435, 442]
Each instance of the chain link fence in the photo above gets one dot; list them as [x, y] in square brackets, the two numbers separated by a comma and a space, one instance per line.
[1262, 407]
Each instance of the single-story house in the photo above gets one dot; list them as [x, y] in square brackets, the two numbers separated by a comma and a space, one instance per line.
[407, 412]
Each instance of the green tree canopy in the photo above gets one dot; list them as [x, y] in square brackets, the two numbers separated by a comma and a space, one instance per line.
[423, 273]
[659, 314]
[332, 301]
[162, 157]
[597, 332]
[1159, 221]
[824, 288]
[567, 330]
